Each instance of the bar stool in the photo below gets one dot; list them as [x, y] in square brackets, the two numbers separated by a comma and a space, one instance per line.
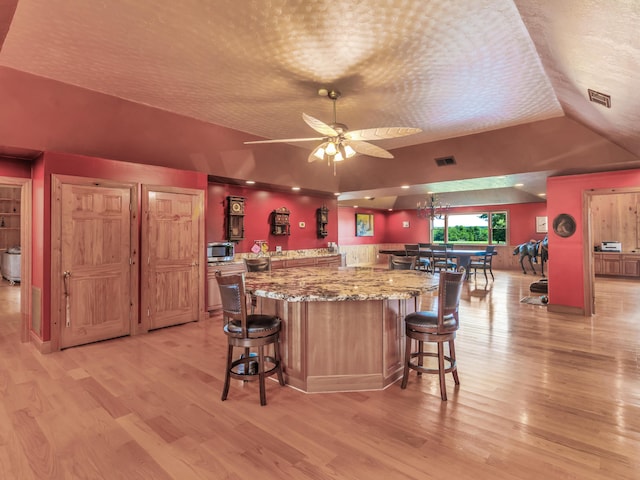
[398, 262]
[259, 264]
[248, 331]
[436, 326]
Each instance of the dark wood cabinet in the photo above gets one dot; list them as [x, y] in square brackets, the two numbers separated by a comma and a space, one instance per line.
[235, 218]
[322, 219]
[323, 261]
[280, 222]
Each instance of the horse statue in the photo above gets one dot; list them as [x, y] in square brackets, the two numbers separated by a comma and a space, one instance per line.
[532, 250]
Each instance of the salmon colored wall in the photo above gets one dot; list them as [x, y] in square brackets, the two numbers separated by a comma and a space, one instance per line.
[522, 222]
[522, 227]
[90, 167]
[258, 207]
[10, 167]
[347, 226]
[417, 232]
[566, 255]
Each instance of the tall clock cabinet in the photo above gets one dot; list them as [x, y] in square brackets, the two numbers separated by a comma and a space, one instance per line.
[322, 218]
[235, 218]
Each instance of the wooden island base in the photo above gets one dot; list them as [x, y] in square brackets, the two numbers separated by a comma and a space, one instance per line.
[330, 346]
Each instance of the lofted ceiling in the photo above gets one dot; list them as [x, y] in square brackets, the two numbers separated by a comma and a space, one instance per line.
[500, 86]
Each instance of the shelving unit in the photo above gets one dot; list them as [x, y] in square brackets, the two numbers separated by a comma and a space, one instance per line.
[280, 222]
[9, 217]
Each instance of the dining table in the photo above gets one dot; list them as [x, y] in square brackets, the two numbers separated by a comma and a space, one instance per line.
[463, 256]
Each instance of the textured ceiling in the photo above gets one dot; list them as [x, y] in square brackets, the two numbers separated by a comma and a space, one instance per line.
[459, 70]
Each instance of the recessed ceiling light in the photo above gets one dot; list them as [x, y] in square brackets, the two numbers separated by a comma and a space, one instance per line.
[295, 188]
[355, 206]
[367, 198]
[542, 194]
[405, 186]
[519, 185]
[390, 209]
[337, 193]
[430, 193]
[250, 182]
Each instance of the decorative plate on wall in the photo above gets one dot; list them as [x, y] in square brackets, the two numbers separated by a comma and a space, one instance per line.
[564, 225]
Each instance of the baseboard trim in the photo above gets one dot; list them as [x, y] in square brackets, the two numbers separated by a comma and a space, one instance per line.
[565, 309]
[41, 346]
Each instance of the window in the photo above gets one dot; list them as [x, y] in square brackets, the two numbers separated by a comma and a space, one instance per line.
[471, 228]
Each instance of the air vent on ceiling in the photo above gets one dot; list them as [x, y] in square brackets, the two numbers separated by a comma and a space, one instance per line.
[601, 98]
[444, 161]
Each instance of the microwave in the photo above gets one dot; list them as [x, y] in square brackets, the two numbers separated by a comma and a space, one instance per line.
[220, 252]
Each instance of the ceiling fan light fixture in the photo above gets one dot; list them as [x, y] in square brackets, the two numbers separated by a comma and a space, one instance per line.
[318, 152]
[350, 151]
[344, 152]
[331, 149]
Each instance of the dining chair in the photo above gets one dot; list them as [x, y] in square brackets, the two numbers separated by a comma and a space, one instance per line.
[424, 256]
[250, 332]
[438, 326]
[483, 262]
[440, 259]
[411, 249]
[399, 262]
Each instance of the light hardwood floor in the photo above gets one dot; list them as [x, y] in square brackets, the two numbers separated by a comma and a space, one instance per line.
[542, 396]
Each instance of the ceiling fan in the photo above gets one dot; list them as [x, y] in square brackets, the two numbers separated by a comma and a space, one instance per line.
[338, 143]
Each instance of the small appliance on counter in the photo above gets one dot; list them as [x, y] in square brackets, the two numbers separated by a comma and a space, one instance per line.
[220, 252]
[611, 247]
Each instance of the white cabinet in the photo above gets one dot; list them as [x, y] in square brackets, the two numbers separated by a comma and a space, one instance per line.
[11, 266]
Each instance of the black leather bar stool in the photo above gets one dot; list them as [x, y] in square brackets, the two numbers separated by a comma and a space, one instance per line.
[436, 326]
[249, 332]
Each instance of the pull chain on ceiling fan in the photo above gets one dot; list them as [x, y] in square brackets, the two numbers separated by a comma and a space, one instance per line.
[338, 143]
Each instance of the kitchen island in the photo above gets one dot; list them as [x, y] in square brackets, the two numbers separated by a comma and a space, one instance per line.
[342, 327]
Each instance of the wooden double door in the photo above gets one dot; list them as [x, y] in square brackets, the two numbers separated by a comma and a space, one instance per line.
[101, 287]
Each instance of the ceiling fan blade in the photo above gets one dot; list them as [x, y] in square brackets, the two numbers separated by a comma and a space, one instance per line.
[370, 149]
[286, 140]
[319, 126]
[381, 133]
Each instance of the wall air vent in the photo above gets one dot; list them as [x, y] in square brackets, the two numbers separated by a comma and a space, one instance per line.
[445, 161]
[601, 98]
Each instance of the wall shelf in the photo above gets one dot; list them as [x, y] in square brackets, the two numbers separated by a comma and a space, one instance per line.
[9, 217]
[280, 222]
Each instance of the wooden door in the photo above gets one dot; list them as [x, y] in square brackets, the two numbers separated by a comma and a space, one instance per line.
[95, 263]
[172, 253]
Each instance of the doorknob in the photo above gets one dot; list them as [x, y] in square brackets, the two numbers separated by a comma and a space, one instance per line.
[65, 276]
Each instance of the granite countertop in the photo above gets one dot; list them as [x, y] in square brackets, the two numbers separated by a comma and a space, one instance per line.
[339, 284]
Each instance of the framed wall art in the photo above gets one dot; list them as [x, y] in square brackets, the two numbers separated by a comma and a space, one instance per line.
[541, 225]
[364, 225]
